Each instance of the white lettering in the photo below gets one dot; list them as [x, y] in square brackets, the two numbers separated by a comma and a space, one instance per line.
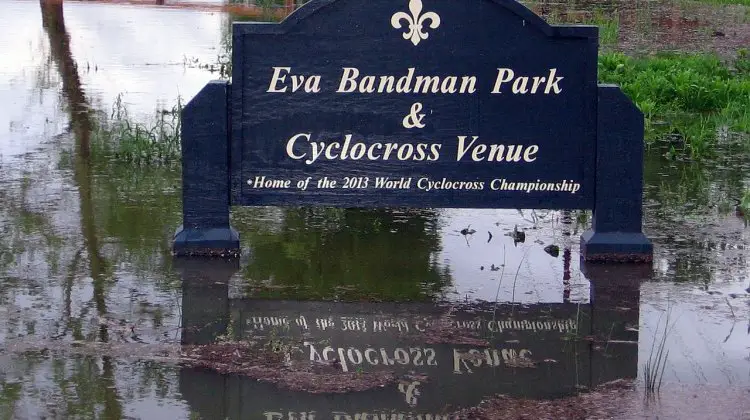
[348, 80]
[519, 85]
[463, 149]
[553, 84]
[504, 75]
[278, 77]
[290, 146]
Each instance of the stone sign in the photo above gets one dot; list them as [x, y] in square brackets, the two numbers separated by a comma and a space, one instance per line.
[411, 103]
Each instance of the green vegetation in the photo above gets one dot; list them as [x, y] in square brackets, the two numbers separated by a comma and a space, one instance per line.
[692, 102]
[686, 99]
[609, 29]
[341, 254]
[10, 394]
[745, 203]
[117, 137]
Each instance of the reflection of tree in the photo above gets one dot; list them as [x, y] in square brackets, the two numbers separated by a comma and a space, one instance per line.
[83, 385]
[334, 252]
[54, 24]
[140, 208]
[81, 123]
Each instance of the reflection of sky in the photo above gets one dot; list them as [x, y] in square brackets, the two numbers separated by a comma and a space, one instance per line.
[530, 274]
[24, 104]
[140, 51]
[709, 343]
[119, 49]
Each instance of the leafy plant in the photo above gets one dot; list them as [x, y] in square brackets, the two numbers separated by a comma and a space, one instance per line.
[685, 98]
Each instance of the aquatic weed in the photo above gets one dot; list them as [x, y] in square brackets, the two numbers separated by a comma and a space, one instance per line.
[744, 203]
[653, 370]
[118, 137]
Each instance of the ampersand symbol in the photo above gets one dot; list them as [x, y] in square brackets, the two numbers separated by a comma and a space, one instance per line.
[410, 391]
[414, 118]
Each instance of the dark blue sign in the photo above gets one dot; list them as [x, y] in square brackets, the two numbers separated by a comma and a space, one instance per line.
[434, 103]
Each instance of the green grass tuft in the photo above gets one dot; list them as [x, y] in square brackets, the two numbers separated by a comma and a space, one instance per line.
[609, 27]
[745, 203]
[117, 137]
[653, 369]
[685, 98]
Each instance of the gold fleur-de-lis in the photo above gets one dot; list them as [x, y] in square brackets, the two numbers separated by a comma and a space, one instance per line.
[416, 22]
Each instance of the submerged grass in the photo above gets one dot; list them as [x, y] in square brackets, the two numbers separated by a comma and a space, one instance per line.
[687, 98]
[653, 370]
[119, 137]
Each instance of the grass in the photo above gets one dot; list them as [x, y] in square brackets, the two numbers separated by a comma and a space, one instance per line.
[653, 370]
[609, 28]
[117, 137]
[608, 23]
[685, 98]
[745, 203]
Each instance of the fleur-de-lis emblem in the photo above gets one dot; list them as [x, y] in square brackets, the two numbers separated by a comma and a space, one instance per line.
[416, 21]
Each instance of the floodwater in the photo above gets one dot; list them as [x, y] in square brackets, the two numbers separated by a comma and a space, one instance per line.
[399, 308]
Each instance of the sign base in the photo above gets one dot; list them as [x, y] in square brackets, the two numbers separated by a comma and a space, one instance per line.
[211, 242]
[616, 247]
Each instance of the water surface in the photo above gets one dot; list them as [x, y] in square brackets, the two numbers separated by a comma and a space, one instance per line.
[94, 311]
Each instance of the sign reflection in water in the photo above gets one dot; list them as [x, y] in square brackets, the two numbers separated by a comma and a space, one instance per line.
[445, 356]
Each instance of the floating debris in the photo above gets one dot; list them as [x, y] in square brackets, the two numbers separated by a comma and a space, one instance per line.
[468, 231]
[517, 235]
[553, 250]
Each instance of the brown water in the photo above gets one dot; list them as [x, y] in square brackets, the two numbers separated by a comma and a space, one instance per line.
[93, 310]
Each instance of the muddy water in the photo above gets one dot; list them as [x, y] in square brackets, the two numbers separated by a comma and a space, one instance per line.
[97, 320]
